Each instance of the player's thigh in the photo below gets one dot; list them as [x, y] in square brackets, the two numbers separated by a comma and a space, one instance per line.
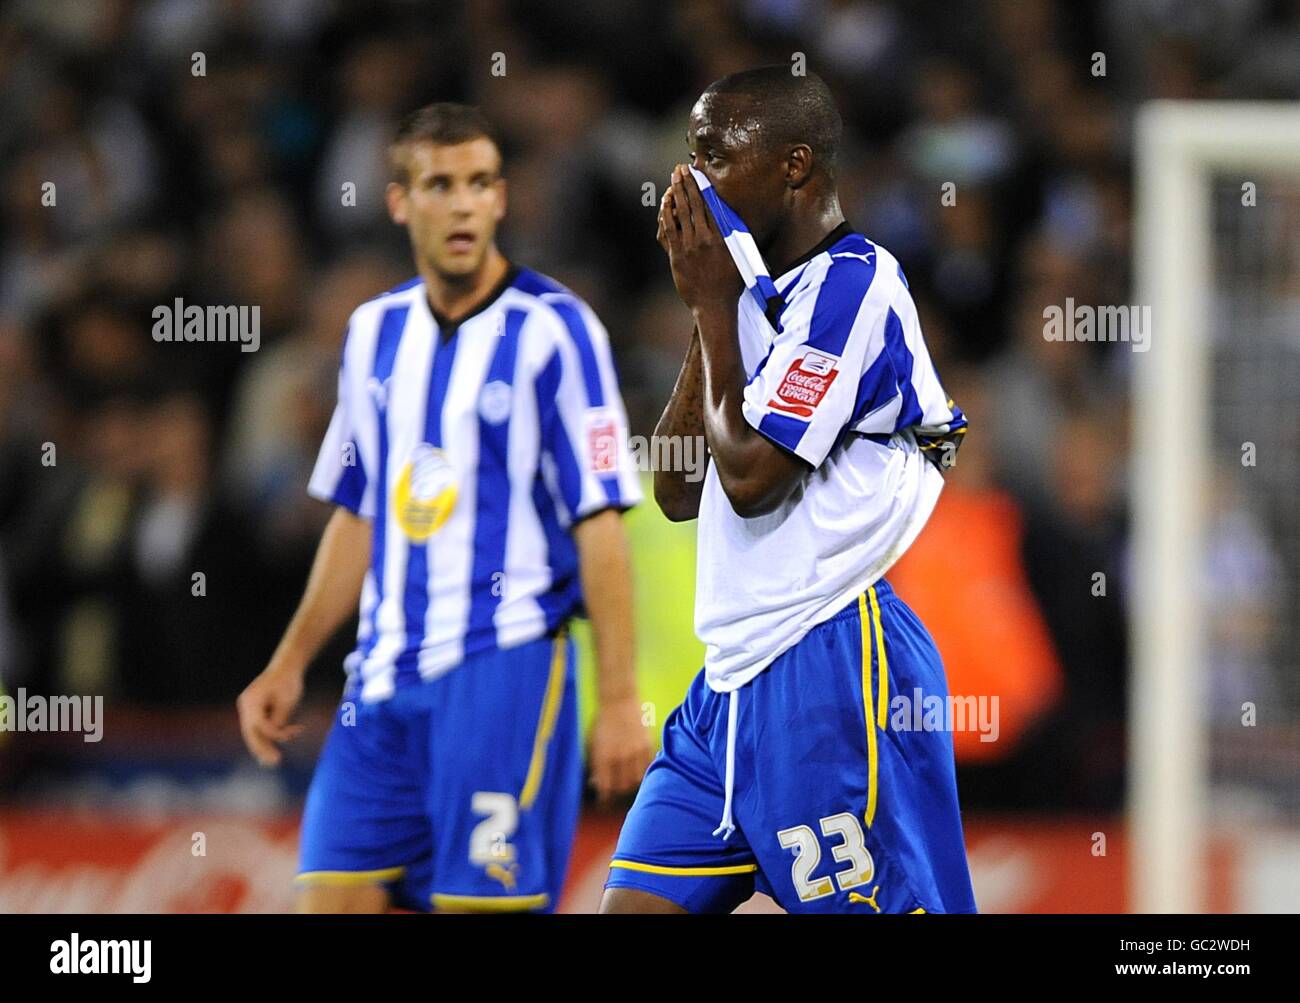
[631, 901]
[667, 850]
[336, 899]
[506, 779]
[854, 815]
[921, 765]
[365, 830]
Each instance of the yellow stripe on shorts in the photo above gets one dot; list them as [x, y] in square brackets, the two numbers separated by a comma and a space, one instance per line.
[883, 669]
[350, 877]
[489, 903]
[545, 724]
[685, 872]
[868, 714]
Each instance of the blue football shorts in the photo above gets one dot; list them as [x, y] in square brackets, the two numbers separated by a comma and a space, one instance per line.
[459, 793]
[837, 808]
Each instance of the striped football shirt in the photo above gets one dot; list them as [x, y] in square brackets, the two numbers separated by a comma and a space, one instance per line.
[472, 446]
[840, 376]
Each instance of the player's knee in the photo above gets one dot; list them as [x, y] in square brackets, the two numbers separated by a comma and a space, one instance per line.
[327, 898]
[632, 900]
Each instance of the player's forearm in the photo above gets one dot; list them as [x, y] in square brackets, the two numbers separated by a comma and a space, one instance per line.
[605, 568]
[332, 593]
[742, 456]
[683, 420]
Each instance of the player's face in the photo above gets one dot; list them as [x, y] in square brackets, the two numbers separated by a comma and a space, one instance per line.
[727, 144]
[451, 204]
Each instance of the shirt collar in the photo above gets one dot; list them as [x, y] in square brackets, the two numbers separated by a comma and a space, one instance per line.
[842, 230]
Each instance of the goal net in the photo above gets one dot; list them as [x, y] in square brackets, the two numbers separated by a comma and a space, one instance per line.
[1214, 731]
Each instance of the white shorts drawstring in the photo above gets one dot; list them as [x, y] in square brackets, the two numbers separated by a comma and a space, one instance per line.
[727, 827]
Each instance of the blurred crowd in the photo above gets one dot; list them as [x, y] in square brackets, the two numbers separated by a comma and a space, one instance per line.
[203, 149]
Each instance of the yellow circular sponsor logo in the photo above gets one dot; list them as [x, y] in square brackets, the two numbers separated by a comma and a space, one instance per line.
[426, 492]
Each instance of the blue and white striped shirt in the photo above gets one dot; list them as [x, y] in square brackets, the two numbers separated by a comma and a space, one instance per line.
[839, 375]
[472, 447]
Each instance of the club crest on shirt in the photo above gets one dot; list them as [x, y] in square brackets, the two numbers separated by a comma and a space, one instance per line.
[378, 390]
[494, 402]
[425, 493]
[805, 384]
[602, 442]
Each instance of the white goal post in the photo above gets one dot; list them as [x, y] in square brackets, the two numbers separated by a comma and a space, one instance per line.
[1179, 145]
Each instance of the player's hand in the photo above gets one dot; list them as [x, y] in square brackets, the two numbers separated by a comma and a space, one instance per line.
[265, 708]
[620, 748]
[703, 271]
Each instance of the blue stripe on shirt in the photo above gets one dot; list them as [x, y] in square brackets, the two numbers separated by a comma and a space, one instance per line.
[572, 318]
[784, 429]
[901, 357]
[492, 496]
[554, 437]
[876, 388]
[565, 594]
[839, 298]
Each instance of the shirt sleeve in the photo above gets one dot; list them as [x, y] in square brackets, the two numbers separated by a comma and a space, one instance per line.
[852, 360]
[582, 419]
[923, 406]
[804, 393]
[340, 475]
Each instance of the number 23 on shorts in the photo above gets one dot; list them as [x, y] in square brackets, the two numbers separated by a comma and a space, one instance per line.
[851, 849]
